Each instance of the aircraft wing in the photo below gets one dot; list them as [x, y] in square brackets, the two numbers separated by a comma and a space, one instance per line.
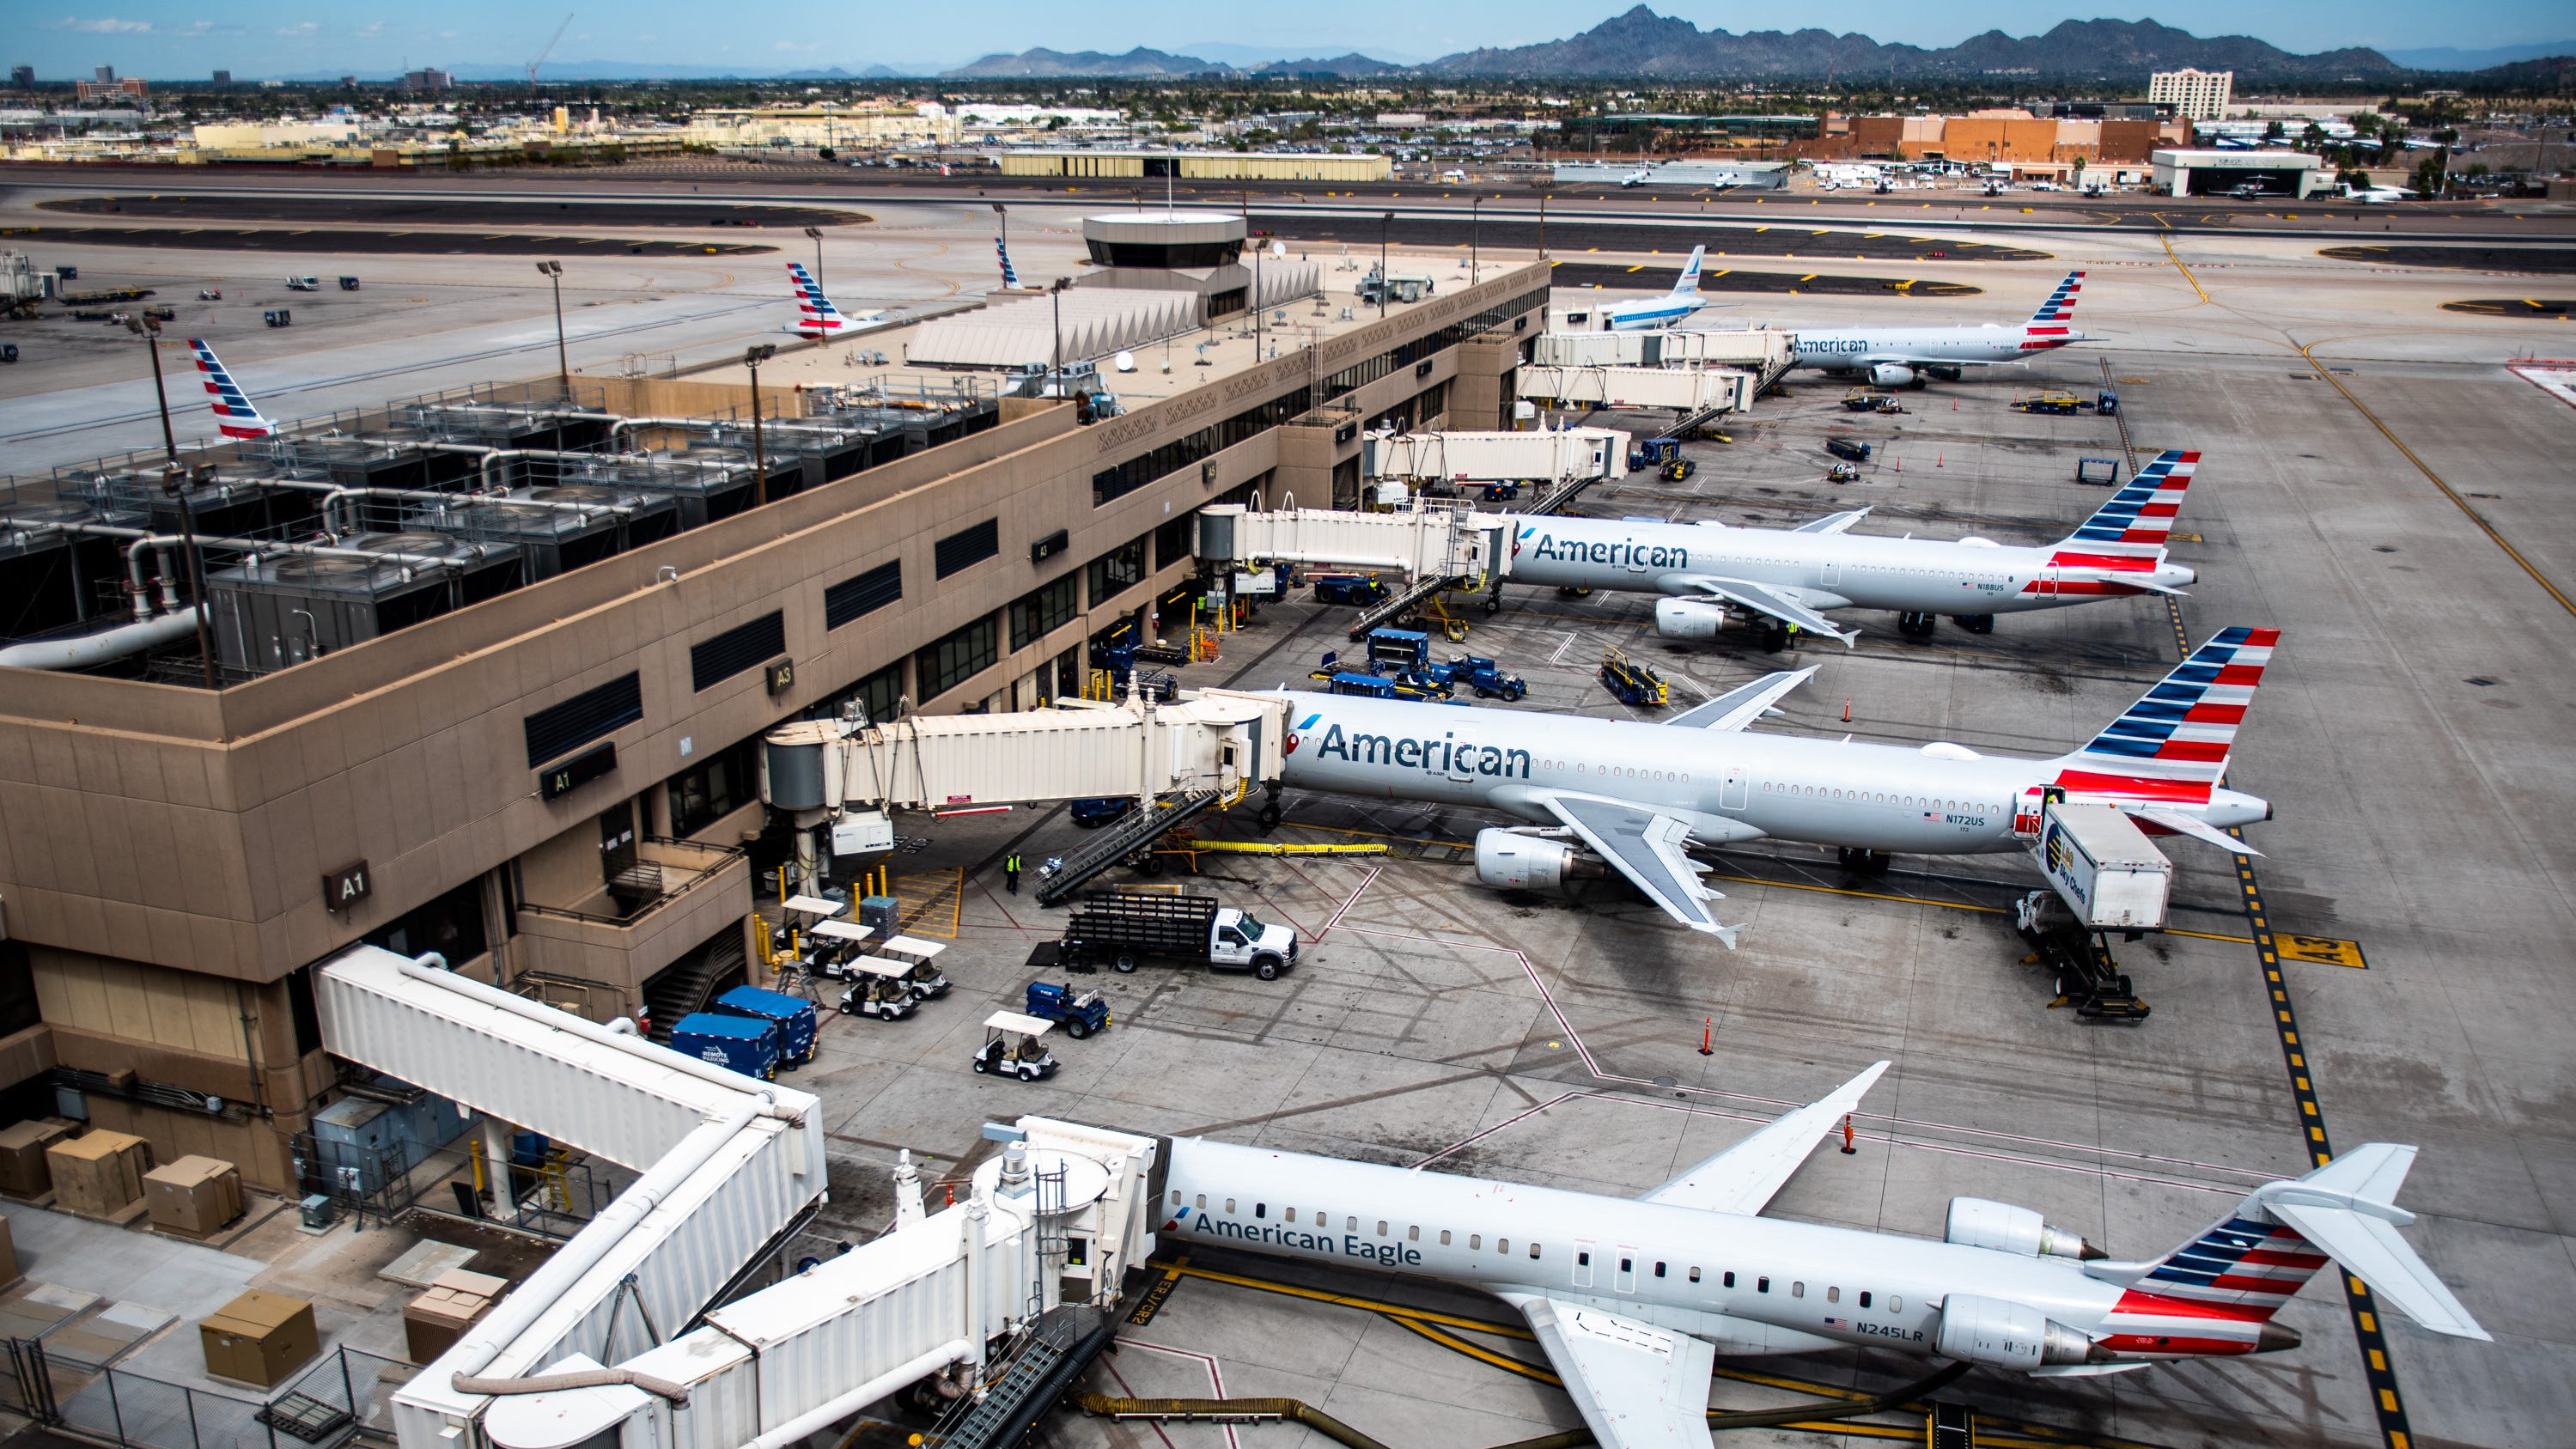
[1833, 522]
[1645, 845]
[1744, 1177]
[1637, 1386]
[1764, 599]
[1743, 704]
[2191, 825]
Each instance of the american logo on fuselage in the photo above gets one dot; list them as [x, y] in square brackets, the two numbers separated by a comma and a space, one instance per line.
[1624, 553]
[1447, 754]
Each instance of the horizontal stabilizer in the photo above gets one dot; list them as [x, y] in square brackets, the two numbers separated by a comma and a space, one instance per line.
[2349, 1218]
[2191, 825]
[1744, 704]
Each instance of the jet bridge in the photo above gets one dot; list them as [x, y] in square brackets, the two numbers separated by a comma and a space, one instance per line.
[1547, 457]
[1432, 538]
[1687, 390]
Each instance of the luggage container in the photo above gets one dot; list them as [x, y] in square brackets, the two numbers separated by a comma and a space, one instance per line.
[793, 1017]
[736, 1043]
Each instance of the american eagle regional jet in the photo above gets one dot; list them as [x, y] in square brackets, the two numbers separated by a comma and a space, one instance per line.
[1791, 576]
[1633, 1300]
[1636, 796]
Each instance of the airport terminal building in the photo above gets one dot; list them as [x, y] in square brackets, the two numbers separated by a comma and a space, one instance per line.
[551, 778]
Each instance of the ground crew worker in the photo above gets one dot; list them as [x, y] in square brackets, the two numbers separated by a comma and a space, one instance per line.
[1848, 1149]
[1011, 871]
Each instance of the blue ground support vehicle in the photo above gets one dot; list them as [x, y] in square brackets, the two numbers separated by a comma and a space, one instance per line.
[793, 1017]
[1630, 682]
[1849, 449]
[1366, 686]
[1485, 677]
[1092, 812]
[2107, 403]
[1394, 651]
[1361, 589]
[736, 1043]
[1079, 1012]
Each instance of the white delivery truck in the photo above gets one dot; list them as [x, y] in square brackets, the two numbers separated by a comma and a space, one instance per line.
[2104, 867]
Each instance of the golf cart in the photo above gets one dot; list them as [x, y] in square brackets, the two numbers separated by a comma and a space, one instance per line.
[878, 989]
[918, 960]
[1015, 1046]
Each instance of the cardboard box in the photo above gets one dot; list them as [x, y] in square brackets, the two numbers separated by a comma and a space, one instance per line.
[8, 1255]
[23, 1170]
[434, 1321]
[194, 1197]
[260, 1338]
[100, 1174]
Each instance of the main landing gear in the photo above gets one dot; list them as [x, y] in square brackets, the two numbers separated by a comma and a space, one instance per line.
[1919, 626]
[1862, 862]
[1270, 811]
[1973, 623]
[1775, 637]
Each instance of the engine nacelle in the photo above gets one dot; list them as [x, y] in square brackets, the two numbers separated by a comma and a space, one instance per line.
[2002, 1334]
[1976, 1222]
[1689, 618]
[1514, 861]
[1891, 374]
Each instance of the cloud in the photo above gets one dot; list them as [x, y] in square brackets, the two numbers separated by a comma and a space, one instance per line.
[307, 28]
[104, 25]
[374, 28]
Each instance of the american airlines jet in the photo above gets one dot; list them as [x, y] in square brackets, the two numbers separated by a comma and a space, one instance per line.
[1892, 356]
[815, 314]
[1790, 577]
[1635, 796]
[1633, 1299]
[235, 417]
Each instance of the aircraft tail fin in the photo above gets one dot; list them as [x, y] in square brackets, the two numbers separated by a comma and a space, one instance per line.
[235, 417]
[1687, 284]
[2172, 745]
[2057, 313]
[816, 316]
[2140, 516]
[1010, 274]
[2233, 1277]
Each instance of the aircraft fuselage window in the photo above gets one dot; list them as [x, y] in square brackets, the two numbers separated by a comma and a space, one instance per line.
[1261, 1210]
[1728, 1281]
[1864, 1298]
[1761, 1285]
[1202, 1202]
[1798, 1288]
[1229, 1207]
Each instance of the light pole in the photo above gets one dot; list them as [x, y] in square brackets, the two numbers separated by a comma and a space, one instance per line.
[553, 272]
[1055, 358]
[1385, 284]
[175, 482]
[816, 233]
[753, 357]
[1542, 226]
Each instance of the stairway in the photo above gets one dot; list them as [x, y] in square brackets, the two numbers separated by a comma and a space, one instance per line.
[1032, 1376]
[1120, 839]
[685, 985]
[1398, 605]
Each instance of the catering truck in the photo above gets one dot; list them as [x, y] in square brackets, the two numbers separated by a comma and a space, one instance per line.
[2109, 874]
[1124, 929]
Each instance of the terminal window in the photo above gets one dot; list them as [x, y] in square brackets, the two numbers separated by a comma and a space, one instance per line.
[956, 658]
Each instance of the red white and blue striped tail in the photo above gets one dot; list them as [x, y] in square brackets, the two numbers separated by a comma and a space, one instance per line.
[1010, 274]
[2059, 309]
[2141, 514]
[2213, 1294]
[2172, 744]
[816, 316]
[234, 415]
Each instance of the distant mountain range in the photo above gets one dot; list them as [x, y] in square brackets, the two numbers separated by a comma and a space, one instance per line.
[2445, 58]
[1643, 43]
[1144, 64]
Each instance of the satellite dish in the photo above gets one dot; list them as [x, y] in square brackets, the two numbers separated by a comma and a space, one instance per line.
[1125, 362]
[1278, 249]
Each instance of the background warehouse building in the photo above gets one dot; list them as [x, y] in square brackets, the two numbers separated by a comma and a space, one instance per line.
[1196, 165]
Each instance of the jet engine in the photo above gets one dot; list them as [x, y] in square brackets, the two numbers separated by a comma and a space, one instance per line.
[2007, 1335]
[1890, 374]
[1689, 618]
[1976, 1222]
[1516, 861]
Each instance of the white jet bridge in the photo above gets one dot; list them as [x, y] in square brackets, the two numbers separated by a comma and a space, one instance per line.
[1429, 538]
[1556, 456]
[1762, 351]
[729, 1166]
[1690, 391]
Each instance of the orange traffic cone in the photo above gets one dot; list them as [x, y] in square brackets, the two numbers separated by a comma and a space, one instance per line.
[1940, 458]
[1707, 1026]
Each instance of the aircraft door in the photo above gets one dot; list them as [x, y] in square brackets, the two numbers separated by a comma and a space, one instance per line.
[1582, 1264]
[1627, 1279]
[1737, 791]
[2048, 577]
[1829, 575]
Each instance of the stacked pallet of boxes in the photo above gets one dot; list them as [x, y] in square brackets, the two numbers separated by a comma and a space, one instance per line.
[437, 1318]
[24, 1172]
[260, 1338]
[193, 1198]
[100, 1175]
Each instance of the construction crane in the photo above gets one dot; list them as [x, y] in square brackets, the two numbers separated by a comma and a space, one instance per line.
[549, 50]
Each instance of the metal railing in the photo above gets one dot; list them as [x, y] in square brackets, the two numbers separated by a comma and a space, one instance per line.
[344, 1394]
[658, 872]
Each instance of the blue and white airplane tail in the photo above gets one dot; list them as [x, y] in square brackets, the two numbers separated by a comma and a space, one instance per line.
[2140, 516]
[234, 415]
[816, 316]
[1010, 274]
[2172, 745]
[1688, 282]
[2058, 312]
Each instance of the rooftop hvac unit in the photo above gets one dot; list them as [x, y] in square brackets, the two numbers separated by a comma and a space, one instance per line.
[705, 490]
[382, 458]
[494, 425]
[282, 609]
[786, 469]
[245, 499]
[557, 539]
[53, 578]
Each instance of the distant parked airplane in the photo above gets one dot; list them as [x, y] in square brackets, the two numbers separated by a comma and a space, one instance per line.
[1667, 310]
[1894, 356]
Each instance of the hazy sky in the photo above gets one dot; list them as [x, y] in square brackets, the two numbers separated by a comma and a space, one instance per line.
[186, 38]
